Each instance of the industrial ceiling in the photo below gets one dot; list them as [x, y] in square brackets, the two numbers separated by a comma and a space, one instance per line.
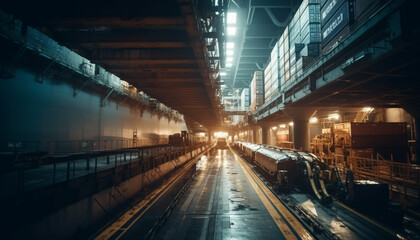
[260, 24]
[170, 49]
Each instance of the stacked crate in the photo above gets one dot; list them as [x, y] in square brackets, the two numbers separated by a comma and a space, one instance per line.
[294, 51]
[284, 56]
[305, 37]
[245, 98]
[271, 75]
[257, 91]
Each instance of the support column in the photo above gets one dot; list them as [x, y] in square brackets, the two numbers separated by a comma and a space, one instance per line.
[415, 113]
[300, 116]
[265, 134]
[254, 132]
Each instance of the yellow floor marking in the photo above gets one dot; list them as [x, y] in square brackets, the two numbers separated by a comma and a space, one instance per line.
[257, 184]
[117, 225]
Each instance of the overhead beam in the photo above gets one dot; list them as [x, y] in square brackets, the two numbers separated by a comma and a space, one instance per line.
[142, 53]
[153, 62]
[270, 4]
[134, 44]
[116, 22]
[144, 35]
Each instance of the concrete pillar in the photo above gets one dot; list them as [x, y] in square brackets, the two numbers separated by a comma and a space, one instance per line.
[415, 113]
[300, 116]
[265, 134]
[253, 132]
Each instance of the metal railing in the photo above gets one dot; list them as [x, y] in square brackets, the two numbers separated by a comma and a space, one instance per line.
[377, 169]
[60, 147]
[66, 168]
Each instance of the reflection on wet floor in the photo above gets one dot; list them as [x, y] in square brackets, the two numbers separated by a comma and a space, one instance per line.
[220, 203]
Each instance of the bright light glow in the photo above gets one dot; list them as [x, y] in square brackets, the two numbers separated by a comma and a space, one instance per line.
[282, 126]
[231, 18]
[367, 109]
[220, 134]
[228, 65]
[229, 59]
[201, 134]
[274, 128]
[313, 120]
[231, 31]
[229, 52]
[291, 124]
[223, 74]
[333, 116]
[230, 45]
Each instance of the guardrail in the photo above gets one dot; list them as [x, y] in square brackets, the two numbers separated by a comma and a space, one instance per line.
[376, 169]
[66, 168]
[77, 146]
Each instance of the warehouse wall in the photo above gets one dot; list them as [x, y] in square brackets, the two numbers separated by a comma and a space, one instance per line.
[48, 111]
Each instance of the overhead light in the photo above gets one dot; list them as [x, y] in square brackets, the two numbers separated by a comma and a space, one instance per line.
[220, 134]
[228, 65]
[333, 116]
[229, 52]
[313, 120]
[274, 128]
[282, 126]
[223, 74]
[229, 59]
[231, 18]
[367, 109]
[231, 31]
[291, 124]
[230, 45]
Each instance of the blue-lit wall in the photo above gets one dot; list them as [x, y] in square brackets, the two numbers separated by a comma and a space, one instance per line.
[34, 113]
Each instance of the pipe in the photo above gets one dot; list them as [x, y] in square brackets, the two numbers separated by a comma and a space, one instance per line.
[259, 67]
[235, 3]
[274, 19]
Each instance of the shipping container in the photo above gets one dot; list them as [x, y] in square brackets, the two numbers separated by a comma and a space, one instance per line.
[311, 50]
[302, 64]
[379, 128]
[245, 98]
[362, 7]
[257, 90]
[329, 9]
[311, 14]
[337, 22]
[343, 34]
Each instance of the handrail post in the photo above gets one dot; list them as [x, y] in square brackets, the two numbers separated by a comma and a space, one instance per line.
[54, 170]
[87, 164]
[68, 171]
